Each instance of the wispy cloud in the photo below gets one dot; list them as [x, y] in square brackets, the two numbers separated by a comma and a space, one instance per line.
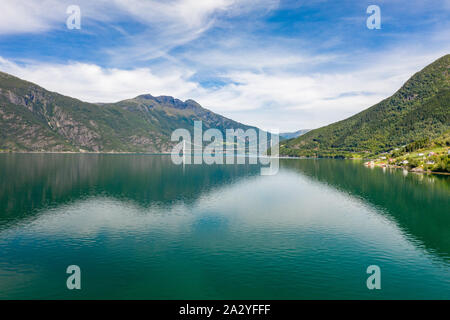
[270, 63]
[268, 99]
[162, 25]
[92, 83]
[22, 16]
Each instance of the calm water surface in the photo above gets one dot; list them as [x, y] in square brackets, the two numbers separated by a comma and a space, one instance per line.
[140, 227]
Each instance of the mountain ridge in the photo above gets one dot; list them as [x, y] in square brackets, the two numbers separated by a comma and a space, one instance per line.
[35, 119]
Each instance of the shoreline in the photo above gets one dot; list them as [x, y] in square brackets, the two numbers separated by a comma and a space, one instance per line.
[117, 152]
[78, 152]
[366, 164]
[406, 168]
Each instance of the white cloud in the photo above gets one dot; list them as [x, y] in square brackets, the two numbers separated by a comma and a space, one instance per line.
[24, 16]
[165, 23]
[290, 100]
[269, 81]
[20, 16]
[267, 99]
[258, 56]
[89, 82]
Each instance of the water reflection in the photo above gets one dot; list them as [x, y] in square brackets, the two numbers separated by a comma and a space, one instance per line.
[144, 229]
[29, 182]
[419, 204]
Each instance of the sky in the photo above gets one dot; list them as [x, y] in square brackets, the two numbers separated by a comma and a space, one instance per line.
[274, 64]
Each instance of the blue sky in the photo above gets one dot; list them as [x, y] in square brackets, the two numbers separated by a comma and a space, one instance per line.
[274, 64]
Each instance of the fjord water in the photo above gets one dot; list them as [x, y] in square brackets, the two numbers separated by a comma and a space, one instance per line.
[140, 227]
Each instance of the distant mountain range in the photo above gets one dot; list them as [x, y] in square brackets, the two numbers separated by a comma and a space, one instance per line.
[290, 135]
[419, 109]
[34, 119]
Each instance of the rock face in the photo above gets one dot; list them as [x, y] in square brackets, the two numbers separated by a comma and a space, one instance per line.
[34, 119]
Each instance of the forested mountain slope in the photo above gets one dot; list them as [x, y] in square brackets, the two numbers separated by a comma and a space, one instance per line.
[419, 109]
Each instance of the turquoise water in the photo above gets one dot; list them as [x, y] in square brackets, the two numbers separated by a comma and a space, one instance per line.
[140, 227]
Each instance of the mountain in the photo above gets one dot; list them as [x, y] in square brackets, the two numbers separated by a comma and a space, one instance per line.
[290, 135]
[34, 119]
[419, 109]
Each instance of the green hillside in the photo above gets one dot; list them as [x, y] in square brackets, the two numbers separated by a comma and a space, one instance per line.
[34, 119]
[420, 109]
[422, 155]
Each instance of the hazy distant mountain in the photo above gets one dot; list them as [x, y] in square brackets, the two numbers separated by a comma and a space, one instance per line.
[34, 119]
[419, 109]
[290, 135]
